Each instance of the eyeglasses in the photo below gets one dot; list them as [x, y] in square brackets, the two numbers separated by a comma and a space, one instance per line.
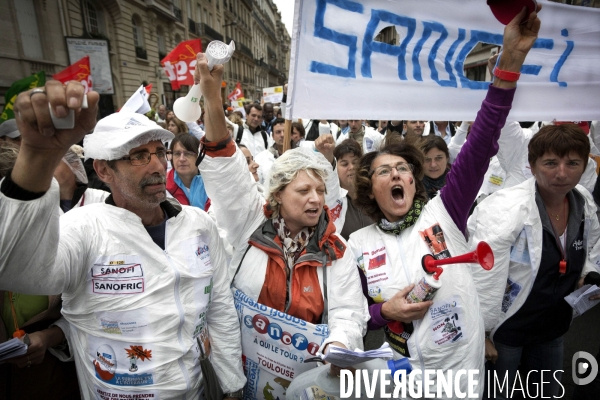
[177, 154]
[386, 170]
[143, 157]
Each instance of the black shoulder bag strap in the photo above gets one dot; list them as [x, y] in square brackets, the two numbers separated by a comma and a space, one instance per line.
[264, 136]
[240, 133]
[239, 265]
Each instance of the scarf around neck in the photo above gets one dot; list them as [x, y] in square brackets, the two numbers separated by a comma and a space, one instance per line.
[433, 186]
[396, 228]
[292, 247]
[196, 194]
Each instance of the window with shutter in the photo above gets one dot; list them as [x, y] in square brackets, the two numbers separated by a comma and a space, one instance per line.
[28, 27]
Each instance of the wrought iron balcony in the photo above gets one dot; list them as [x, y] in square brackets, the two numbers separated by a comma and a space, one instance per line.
[141, 52]
[248, 4]
[210, 32]
[192, 26]
[177, 13]
[274, 70]
[162, 7]
[244, 49]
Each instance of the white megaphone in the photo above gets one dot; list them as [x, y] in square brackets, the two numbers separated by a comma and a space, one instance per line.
[188, 108]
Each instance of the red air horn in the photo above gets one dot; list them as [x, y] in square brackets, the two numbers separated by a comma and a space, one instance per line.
[483, 255]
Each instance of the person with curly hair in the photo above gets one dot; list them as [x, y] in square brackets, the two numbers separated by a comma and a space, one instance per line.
[436, 326]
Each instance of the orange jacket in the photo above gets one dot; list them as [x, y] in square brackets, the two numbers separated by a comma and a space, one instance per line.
[305, 296]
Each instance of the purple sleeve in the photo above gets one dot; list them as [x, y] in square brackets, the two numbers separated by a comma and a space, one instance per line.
[377, 321]
[466, 175]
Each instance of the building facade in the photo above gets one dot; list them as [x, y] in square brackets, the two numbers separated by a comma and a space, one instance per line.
[138, 34]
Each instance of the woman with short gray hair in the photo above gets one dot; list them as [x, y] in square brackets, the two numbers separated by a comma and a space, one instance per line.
[295, 284]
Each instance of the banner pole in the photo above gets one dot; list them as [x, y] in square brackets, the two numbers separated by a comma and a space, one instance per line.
[287, 135]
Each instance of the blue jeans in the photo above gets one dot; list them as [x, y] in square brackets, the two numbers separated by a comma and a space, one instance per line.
[529, 362]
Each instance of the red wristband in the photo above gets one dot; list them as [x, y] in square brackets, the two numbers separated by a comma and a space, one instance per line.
[508, 76]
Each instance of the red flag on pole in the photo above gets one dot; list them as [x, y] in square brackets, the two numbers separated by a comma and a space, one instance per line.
[79, 71]
[179, 64]
[236, 93]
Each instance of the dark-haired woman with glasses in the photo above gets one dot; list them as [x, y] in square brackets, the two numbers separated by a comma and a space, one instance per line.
[184, 181]
[435, 325]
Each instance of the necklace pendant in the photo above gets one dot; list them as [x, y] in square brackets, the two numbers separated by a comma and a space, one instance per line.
[557, 216]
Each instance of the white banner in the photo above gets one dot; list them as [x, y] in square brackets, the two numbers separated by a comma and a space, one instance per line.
[338, 70]
[274, 347]
[272, 94]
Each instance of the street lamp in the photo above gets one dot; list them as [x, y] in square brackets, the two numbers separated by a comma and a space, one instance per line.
[232, 23]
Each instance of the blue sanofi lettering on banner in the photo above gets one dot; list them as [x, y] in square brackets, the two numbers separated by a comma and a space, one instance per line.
[370, 46]
[336, 56]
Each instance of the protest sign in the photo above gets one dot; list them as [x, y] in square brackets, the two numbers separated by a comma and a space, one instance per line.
[274, 346]
[180, 63]
[100, 69]
[272, 94]
[79, 71]
[238, 105]
[335, 57]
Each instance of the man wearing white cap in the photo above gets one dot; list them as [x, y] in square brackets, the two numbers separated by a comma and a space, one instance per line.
[144, 284]
[9, 132]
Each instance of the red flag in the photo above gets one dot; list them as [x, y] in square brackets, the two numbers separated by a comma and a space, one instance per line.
[79, 71]
[236, 93]
[179, 64]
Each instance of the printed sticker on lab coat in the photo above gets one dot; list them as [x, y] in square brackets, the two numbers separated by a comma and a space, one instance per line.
[519, 252]
[447, 318]
[510, 294]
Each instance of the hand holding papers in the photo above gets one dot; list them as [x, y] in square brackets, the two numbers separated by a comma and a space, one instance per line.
[347, 358]
[580, 299]
[12, 348]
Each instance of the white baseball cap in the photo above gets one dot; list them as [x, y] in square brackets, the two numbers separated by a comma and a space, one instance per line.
[115, 135]
[9, 129]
